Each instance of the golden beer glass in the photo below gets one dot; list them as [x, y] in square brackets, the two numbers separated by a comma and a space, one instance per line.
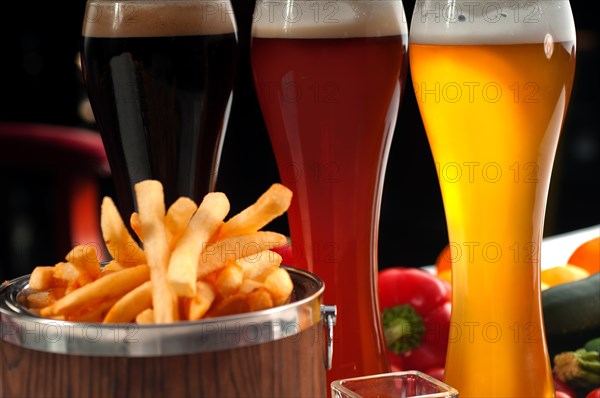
[492, 81]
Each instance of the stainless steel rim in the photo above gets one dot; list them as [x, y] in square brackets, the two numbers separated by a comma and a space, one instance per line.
[21, 328]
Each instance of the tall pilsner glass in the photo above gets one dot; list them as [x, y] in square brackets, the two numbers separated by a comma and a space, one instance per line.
[159, 76]
[329, 77]
[492, 80]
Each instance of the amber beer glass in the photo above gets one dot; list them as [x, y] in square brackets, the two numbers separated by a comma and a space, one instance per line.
[159, 76]
[329, 77]
[492, 80]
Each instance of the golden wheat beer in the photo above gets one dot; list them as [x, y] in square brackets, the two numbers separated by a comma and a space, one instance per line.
[492, 80]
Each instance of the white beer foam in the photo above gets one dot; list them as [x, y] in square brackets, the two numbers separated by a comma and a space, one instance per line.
[328, 19]
[114, 18]
[491, 22]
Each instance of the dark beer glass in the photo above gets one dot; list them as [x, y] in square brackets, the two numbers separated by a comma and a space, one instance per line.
[159, 76]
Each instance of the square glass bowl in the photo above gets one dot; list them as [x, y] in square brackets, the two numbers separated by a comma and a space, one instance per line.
[413, 384]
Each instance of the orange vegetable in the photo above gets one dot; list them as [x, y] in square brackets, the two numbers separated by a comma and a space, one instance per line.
[562, 274]
[587, 255]
[443, 261]
[445, 275]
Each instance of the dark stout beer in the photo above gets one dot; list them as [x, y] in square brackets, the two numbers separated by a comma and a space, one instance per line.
[159, 77]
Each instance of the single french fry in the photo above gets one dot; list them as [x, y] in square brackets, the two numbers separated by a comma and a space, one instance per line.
[216, 255]
[270, 205]
[40, 299]
[151, 208]
[57, 292]
[73, 275]
[136, 225]
[259, 299]
[119, 242]
[183, 264]
[112, 266]
[280, 285]
[234, 304]
[41, 278]
[256, 265]
[249, 285]
[229, 280]
[197, 306]
[85, 257]
[177, 218]
[102, 289]
[129, 305]
[93, 314]
[145, 317]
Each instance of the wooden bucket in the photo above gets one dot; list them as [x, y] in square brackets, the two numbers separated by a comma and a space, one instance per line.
[280, 352]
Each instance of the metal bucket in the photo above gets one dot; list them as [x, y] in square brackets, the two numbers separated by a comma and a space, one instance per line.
[279, 352]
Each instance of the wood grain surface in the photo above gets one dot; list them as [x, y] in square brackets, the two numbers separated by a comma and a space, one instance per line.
[290, 367]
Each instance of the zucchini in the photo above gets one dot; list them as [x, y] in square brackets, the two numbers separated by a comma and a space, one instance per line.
[572, 307]
[571, 314]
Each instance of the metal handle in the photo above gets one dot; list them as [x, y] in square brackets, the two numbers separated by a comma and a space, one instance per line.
[329, 313]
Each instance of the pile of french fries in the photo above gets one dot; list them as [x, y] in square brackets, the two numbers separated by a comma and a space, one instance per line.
[193, 263]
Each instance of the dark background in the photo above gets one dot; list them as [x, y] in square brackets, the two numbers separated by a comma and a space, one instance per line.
[39, 82]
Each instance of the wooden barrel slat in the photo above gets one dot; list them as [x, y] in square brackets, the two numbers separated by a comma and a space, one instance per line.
[289, 367]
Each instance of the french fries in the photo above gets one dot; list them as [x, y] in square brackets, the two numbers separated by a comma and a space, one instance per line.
[41, 278]
[216, 255]
[178, 217]
[119, 242]
[193, 263]
[108, 287]
[198, 305]
[272, 204]
[151, 207]
[229, 280]
[203, 225]
[85, 258]
[145, 317]
[131, 304]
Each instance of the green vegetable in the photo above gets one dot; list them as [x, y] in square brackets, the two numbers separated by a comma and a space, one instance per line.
[593, 345]
[572, 307]
[580, 368]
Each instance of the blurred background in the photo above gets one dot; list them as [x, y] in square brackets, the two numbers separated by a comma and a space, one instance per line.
[40, 83]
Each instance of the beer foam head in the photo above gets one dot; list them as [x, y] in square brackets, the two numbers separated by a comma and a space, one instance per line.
[491, 22]
[117, 18]
[328, 19]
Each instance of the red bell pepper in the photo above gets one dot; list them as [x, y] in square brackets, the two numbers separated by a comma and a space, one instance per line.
[594, 393]
[415, 307]
[563, 388]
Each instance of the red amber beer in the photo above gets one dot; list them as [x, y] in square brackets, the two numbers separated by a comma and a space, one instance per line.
[159, 76]
[329, 78]
[492, 81]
